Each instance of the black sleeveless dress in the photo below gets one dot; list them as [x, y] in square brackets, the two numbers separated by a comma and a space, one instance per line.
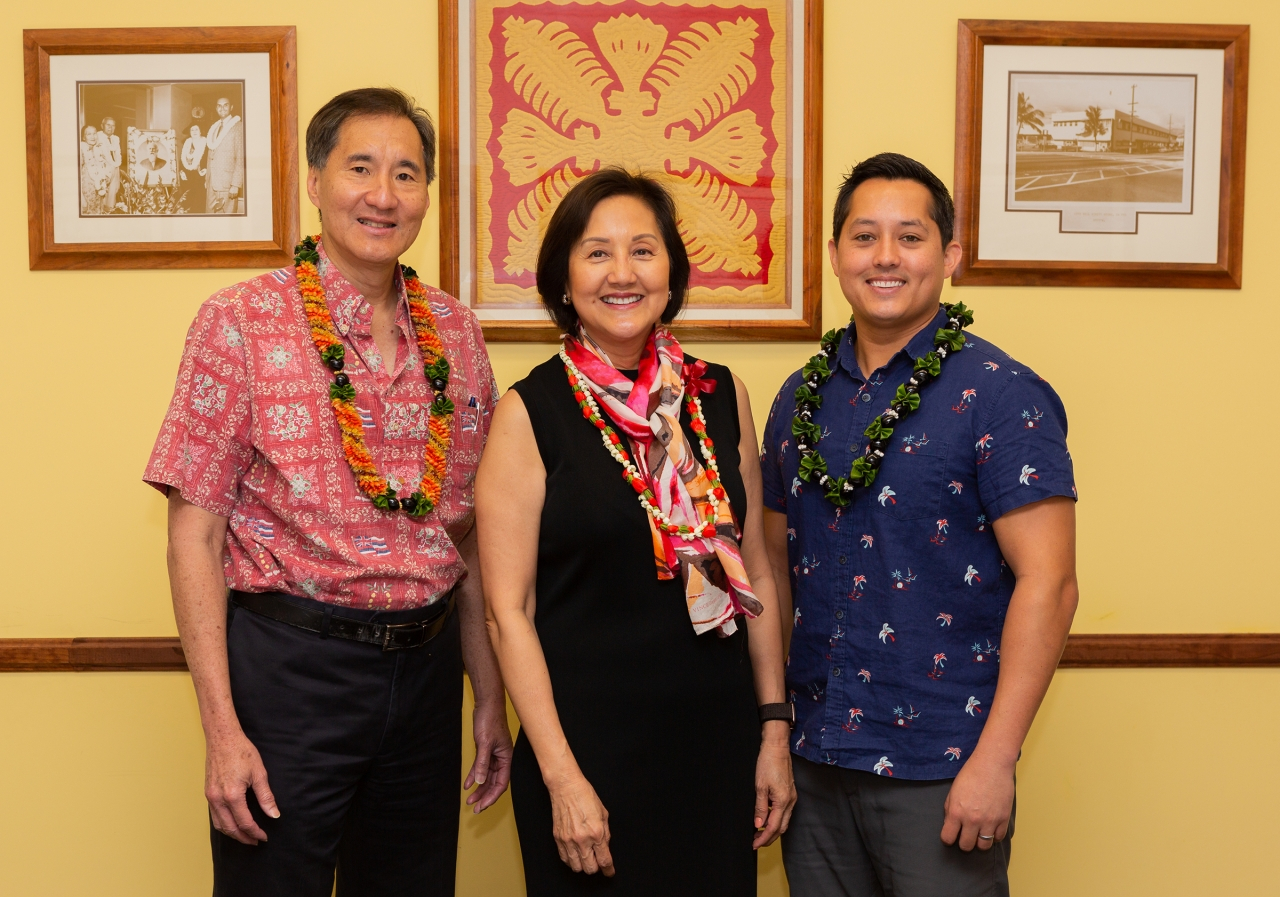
[662, 722]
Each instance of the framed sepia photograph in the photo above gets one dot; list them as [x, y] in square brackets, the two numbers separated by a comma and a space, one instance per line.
[1100, 154]
[719, 99]
[161, 147]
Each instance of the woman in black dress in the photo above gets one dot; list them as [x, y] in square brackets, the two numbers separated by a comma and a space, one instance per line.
[622, 550]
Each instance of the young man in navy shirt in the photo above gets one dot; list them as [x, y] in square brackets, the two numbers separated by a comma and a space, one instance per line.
[931, 605]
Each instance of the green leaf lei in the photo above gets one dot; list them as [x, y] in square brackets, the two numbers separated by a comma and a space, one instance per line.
[817, 371]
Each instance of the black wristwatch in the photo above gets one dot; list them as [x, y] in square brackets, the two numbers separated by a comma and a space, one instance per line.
[784, 712]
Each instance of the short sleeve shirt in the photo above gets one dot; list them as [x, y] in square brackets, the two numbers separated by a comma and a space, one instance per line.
[900, 598]
[250, 435]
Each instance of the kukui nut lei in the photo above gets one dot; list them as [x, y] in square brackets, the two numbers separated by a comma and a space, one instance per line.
[817, 371]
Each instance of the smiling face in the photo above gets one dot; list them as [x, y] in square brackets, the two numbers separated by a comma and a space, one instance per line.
[195, 131]
[890, 259]
[90, 132]
[223, 106]
[618, 277]
[372, 191]
[109, 126]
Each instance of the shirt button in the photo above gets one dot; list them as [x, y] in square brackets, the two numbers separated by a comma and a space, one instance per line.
[839, 615]
[843, 559]
[866, 397]
[835, 672]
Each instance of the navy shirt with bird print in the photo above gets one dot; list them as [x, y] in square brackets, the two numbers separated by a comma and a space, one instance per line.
[900, 598]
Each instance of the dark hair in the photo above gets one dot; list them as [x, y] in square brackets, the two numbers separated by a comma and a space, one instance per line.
[326, 124]
[569, 221]
[895, 167]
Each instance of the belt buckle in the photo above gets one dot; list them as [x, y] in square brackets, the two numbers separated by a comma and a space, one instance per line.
[391, 629]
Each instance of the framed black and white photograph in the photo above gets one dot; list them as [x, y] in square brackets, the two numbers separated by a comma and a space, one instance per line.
[162, 147]
[1100, 154]
[1078, 147]
[183, 151]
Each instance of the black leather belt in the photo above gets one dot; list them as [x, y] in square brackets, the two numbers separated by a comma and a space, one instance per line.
[387, 636]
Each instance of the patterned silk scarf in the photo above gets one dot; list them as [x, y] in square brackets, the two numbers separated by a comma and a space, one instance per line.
[648, 412]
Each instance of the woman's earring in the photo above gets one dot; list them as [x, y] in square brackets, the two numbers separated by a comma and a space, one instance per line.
[668, 296]
[565, 299]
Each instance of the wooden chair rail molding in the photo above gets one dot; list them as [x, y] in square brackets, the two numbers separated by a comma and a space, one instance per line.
[109, 655]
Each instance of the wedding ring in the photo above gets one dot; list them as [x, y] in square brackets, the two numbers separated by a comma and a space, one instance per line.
[986, 837]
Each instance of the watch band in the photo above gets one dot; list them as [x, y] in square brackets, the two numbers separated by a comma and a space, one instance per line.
[784, 712]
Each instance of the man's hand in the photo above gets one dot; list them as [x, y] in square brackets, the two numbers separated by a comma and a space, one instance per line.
[491, 770]
[979, 804]
[1038, 542]
[233, 191]
[775, 787]
[232, 766]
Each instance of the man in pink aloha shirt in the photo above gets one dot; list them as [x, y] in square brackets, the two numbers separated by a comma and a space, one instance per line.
[329, 678]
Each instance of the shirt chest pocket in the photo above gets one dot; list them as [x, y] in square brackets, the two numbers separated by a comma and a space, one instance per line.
[469, 422]
[911, 479]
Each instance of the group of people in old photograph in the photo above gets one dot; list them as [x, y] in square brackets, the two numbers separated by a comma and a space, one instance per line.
[155, 174]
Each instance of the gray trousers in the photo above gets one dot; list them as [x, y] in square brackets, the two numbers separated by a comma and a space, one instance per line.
[857, 834]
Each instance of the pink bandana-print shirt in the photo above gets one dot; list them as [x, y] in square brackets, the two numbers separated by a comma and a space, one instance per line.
[250, 436]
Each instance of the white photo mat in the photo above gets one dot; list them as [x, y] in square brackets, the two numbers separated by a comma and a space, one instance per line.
[66, 72]
[1008, 235]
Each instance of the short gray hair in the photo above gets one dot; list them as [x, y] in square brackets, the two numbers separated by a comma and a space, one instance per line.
[326, 124]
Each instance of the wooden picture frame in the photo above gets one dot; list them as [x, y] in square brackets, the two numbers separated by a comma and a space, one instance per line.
[1105, 200]
[794, 317]
[115, 207]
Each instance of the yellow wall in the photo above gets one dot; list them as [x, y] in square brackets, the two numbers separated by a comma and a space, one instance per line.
[1132, 782]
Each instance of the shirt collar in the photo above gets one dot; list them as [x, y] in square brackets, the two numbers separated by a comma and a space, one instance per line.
[347, 305]
[922, 342]
[917, 346]
[846, 356]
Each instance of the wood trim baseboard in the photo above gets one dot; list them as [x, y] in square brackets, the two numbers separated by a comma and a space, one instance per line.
[90, 655]
[110, 655]
[1261, 649]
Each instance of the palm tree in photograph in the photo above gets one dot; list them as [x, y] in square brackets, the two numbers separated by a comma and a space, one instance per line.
[1029, 115]
[1094, 126]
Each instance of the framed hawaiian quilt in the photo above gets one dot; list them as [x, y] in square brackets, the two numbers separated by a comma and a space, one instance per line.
[719, 100]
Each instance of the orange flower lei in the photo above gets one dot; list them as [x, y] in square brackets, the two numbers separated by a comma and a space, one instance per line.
[342, 395]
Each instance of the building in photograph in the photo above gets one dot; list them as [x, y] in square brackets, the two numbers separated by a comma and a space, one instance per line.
[1110, 131]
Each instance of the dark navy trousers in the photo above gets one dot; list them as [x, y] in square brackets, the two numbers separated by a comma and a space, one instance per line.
[363, 751]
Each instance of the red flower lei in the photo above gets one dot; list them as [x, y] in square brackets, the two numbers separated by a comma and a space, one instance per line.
[342, 395]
